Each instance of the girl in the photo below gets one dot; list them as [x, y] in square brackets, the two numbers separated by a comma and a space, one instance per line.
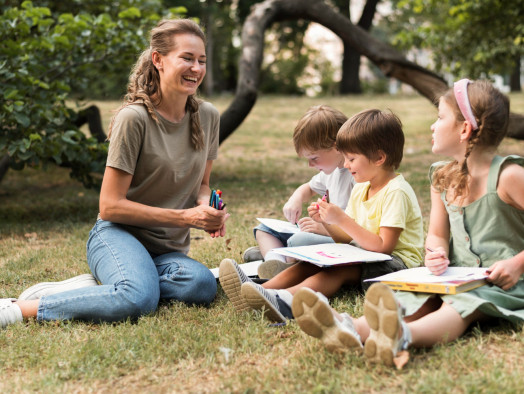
[477, 219]
[155, 188]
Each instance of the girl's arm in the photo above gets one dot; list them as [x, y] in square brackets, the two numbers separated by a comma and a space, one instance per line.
[293, 207]
[114, 206]
[437, 240]
[506, 273]
[384, 242]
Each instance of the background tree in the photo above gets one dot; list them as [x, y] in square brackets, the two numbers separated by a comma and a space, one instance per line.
[475, 38]
[351, 60]
[43, 58]
[390, 61]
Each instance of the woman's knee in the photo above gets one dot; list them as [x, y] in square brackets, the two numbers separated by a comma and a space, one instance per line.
[203, 289]
[135, 302]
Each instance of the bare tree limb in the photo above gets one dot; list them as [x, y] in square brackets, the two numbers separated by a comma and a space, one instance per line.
[390, 61]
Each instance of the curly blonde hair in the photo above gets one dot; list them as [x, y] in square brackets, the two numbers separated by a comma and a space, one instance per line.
[144, 80]
[491, 110]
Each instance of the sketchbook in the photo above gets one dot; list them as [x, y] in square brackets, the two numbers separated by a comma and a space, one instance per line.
[250, 269]
[280, 226]
[454, 281]
[327, 255]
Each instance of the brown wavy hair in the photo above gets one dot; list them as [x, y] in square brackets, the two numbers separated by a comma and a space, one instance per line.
[318, 128]
[144, 80]
[371, 131]
[491, 110]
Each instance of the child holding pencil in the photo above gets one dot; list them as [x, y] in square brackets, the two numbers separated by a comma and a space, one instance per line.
[382, 215]
[477, 219]
[314, 138]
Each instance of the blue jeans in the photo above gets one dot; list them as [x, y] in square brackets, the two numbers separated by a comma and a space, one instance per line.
[132, 280]
[297, 239]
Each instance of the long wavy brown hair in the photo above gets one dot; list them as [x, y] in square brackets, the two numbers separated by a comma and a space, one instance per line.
[144, 80]
[491, 110]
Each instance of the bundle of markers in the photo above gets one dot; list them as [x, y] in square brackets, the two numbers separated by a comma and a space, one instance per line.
[215, 200]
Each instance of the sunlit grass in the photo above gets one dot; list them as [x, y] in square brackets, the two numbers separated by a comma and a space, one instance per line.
[44, 221]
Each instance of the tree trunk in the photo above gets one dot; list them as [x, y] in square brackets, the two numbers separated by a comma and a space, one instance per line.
[514, 79]
[350, 81]
[209, 80]
[392, 63]
[4, 166]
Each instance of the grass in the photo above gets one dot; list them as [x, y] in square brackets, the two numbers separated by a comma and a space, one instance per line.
[44, 221]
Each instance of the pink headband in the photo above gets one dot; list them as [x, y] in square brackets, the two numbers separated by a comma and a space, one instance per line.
[460, 88]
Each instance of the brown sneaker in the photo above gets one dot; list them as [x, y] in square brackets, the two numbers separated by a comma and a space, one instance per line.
[270, 268]
[252, 254]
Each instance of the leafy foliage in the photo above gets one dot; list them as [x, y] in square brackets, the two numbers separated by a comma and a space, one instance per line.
[475, 38]
[43, 58]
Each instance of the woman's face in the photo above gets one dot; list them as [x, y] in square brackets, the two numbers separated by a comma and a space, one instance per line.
[183, 69]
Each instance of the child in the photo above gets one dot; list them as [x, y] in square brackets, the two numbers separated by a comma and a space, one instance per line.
[314, 138]
[477, 201]
[382, 215]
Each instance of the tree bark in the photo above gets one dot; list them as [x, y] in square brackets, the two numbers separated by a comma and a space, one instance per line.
[514, 78]
[392, 63]
[350, 81]
[4, 166]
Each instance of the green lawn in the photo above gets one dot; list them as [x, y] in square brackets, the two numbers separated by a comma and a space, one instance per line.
[45, 218]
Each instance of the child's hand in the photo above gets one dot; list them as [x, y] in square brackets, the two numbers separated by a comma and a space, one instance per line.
[309, 225]
[313, 212]
[436, 261]
[505, 273]
[330, 213]
[292, 210]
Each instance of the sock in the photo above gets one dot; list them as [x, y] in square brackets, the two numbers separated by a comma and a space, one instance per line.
[274, 256]
[285, 296]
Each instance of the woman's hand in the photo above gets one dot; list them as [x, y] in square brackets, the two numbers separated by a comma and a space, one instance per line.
[505, 273]
[309, 225]
[437, 261]
[206, 218]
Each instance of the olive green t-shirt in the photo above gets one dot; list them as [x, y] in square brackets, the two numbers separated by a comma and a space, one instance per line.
[167, 171]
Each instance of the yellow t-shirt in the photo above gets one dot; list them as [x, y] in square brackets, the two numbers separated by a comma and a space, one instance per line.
[395, 205]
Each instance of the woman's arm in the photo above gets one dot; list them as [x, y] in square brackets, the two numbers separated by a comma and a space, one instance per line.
[114, 206]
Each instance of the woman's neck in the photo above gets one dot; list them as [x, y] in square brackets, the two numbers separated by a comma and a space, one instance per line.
[172, 108]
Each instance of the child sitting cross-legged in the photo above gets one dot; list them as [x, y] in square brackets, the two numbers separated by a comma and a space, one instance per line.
[382, 215]
[314, 138]
[476, 220]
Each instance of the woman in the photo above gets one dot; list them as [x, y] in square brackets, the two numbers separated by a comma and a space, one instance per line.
[155, 188]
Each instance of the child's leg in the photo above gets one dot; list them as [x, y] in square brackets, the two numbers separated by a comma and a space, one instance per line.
[292, 276]
[266, 242]
[441, 326]
[329, 280]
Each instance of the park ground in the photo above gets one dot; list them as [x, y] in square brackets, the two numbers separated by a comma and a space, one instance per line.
[45, 218]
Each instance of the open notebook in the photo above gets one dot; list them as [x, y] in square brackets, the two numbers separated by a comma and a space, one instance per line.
[327, 255]
[455, 280]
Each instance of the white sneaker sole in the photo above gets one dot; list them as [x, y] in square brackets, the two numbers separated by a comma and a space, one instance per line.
[231, 284]
[258, 302]
[316, 319]
[47, 288]
[382, 314]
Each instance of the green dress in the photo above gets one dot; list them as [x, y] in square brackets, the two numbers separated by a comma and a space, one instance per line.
[483, 232]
